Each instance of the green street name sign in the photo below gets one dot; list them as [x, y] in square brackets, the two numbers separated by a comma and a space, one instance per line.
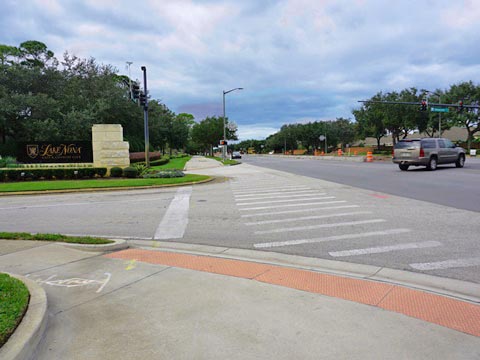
[439, 109]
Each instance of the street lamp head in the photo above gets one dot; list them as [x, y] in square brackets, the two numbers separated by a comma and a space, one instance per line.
[143, 68]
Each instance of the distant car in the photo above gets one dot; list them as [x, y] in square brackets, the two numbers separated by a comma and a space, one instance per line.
[428, 152]
[235, 155]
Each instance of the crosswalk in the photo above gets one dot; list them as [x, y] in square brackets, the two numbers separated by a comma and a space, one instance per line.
[282, 214]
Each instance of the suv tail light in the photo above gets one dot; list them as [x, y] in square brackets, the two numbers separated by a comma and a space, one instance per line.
[422, 153]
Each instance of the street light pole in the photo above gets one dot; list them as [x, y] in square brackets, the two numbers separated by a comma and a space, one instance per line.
[129, 77]
[224, 147]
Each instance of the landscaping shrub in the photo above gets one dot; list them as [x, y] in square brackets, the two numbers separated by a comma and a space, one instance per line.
[101, 171]
[116, 171]
[164, 174]
[161, 161]
[130, 172]
[7, 160]
[140, 156]
[58, 173]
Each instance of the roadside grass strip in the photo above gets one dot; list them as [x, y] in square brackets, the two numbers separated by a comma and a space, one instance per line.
[95, 184]
[384, 249]
[330, 238]
[175, 163]
[54, 237]
[14, 297]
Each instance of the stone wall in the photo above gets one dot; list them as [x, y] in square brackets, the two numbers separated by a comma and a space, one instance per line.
[109, 149]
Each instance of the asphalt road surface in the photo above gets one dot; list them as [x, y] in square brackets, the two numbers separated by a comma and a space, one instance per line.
[459, 188]
[268, 210]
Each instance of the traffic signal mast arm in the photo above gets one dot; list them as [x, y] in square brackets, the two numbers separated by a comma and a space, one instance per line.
[419, 103]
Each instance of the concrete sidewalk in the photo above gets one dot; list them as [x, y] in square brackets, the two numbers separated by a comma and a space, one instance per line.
[201, 162]
[179, 301]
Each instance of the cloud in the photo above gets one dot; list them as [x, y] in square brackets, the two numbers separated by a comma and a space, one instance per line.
[296, 59]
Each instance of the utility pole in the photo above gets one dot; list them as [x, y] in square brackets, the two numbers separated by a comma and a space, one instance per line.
[145, 116]
[129, 78]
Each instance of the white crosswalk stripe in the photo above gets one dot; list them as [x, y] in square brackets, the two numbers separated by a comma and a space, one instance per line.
[313, 227]
[307, 197]
[275, 195]
[332, 238]
[309, 209]
[384, 249]
[287, 205]
[314, 217]
[447, 264]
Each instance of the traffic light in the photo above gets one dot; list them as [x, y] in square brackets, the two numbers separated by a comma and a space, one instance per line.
[223, 142]
[460, 106]
[142, 99]
[135, 91]
[424, 105]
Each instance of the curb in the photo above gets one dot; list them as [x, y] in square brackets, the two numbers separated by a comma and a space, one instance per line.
[119, 188]
[24, 341]
[458, 289]
[119, 244]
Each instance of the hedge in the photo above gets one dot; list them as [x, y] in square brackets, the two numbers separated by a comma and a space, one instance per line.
[140, 156]
[51, 173]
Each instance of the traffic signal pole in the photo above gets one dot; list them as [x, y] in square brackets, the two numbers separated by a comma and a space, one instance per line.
[145, 117]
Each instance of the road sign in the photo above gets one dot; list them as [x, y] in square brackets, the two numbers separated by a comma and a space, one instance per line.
[321, 137]
[439, 109]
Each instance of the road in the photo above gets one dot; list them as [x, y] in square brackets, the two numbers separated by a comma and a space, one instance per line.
[459, 188]
[268, 210]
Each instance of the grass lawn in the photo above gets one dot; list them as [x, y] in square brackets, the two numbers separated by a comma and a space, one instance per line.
[94, 183]
[54, 237]
[14, 298]
[177, 163]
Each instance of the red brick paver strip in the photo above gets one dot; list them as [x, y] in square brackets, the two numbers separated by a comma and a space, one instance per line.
[451, 313]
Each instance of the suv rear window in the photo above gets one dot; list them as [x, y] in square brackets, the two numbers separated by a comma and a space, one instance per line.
[428, 144]
[405, 144]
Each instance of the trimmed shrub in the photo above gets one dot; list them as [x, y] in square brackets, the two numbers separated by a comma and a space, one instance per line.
[116, 171]
[130, 172]
[101, 171]
[164, 174]
[140, 156]
[58, 173]
[161, 161]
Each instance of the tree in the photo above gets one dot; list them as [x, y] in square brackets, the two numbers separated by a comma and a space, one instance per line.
[465, 91]
[209, 132]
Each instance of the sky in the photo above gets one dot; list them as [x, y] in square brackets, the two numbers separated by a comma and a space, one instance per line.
[296, 60]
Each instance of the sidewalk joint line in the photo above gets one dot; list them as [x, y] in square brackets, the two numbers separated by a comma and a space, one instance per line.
[387, 293]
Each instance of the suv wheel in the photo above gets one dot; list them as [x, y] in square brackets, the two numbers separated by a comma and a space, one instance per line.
[403, 167]
[460, 162]
[432, 163]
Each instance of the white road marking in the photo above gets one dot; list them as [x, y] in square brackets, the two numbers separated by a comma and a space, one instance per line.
[384, 249]
[75, 282]
[331, 238]
[312, 227]
[314, 217]
[270, 189]
[174, 223]
[287, 205]
[274, 194]
[21, 207]
[307, 197]
[310, 209]
[447, 264]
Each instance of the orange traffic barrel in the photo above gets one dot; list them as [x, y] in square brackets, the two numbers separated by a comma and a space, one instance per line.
[369, 156]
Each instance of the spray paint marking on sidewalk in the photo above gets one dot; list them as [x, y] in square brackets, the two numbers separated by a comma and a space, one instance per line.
[175, 221]
[75, 282]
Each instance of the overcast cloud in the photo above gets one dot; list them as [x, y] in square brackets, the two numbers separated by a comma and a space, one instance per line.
[297, 60]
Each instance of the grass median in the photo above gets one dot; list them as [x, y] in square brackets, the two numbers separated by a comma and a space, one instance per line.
[14, 298]
[54, 237]
[175, 163]
[95, 183]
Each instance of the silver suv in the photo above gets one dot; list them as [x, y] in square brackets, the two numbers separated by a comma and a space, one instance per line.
[428, 152]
